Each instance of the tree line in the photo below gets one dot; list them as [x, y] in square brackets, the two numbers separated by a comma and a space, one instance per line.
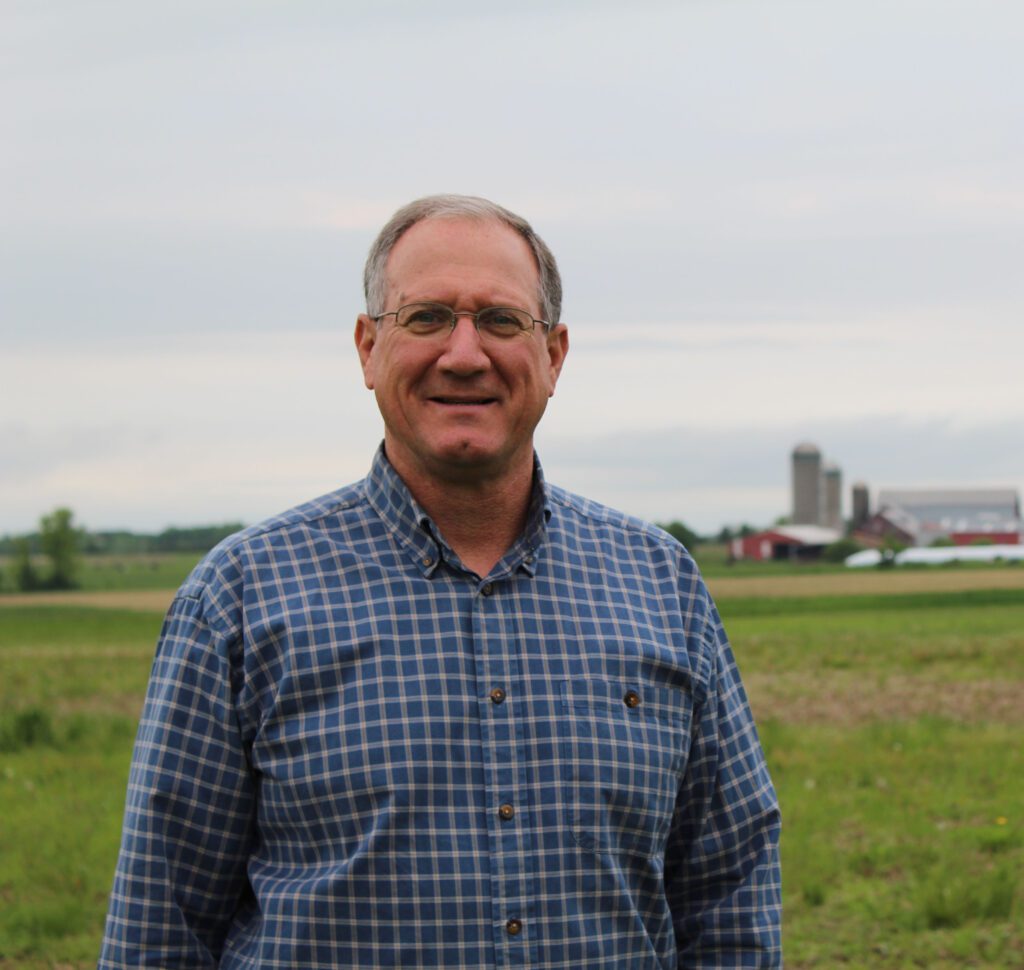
[691, 539]
[61, 544]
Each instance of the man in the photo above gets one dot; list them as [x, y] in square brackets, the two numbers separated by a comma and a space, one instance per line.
[450, 716]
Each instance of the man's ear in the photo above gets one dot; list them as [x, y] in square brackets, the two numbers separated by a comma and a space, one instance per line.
[366, 338]
[557, 347]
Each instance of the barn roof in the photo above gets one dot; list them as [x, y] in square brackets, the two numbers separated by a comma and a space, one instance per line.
[913, 498]
[806, 535]
[930, 512]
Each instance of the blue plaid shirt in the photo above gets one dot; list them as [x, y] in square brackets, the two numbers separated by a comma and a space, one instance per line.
[355, 752]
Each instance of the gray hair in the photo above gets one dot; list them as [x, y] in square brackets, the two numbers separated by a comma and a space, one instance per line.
[549, 293]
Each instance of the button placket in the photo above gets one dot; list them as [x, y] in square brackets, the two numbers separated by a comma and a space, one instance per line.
[512, 864]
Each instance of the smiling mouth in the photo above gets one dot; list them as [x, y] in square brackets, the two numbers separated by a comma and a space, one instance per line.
[464, 401]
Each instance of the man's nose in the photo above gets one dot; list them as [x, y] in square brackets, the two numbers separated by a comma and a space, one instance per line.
[464, 351]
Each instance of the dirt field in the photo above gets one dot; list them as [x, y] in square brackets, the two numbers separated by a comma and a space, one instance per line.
[843, 699]
[856, 582]
[144, 600]
[850, 583]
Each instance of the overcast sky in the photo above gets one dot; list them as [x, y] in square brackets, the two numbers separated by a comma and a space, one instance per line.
[777, 221]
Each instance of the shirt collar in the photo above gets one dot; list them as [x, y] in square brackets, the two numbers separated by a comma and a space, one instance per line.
[407, 520]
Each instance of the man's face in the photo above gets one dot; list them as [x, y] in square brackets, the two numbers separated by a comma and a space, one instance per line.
[460, 407]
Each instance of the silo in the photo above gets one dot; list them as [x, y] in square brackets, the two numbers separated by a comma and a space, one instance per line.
[832, 497]
[806, 485]
[861, 504]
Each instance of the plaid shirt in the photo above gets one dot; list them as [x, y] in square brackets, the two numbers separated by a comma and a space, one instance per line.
[356, 753]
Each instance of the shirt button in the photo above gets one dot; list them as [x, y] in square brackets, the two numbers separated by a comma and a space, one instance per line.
[427, 561]
[513, 927]
[497, 695]
[529, 559]
[632, 698]
[487, 590]
[506, 812]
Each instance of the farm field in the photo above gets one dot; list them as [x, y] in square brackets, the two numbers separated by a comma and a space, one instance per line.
[814, 585]
[158, 570]
[890, 714]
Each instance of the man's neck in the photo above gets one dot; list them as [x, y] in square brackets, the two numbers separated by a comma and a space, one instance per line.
[479, 519]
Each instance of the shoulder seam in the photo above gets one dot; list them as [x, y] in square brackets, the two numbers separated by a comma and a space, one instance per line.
[282, 522]
[611, 517]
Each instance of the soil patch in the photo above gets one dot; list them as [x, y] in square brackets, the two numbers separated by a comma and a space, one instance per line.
[856, 583]
[143, 600]
[845, 699]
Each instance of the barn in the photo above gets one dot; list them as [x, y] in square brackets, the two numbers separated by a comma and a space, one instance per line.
[918, 517]
[789, 542]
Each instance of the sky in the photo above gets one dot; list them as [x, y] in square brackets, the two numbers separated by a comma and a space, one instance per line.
[784, 221]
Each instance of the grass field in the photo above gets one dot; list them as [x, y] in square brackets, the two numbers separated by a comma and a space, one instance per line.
[139, 571]
[892, 719]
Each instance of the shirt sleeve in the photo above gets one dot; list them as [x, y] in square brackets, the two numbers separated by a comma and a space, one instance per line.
[188, 822]
[722, 865]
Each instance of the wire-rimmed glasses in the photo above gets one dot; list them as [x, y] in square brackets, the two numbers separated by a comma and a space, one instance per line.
[437, 320]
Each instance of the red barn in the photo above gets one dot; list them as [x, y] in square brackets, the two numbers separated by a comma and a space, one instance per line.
[800, 542]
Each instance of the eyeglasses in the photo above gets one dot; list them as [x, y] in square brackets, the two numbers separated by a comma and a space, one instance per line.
[437, 320]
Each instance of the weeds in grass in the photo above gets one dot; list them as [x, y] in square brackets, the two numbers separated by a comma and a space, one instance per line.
[25, 729]
[945, 898]
[36, 727]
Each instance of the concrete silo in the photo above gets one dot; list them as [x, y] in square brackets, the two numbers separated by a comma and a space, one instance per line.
[832, 497]
[861, 504]
[806, 485]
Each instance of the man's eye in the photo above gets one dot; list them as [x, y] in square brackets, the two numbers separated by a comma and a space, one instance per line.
[502, 322]
[426, 318]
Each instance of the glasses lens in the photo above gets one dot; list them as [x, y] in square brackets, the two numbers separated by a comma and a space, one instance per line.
[503, 321]
[425, 318]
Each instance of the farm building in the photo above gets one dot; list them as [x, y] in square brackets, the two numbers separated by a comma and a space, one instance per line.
[817, 488]
[800, 542]
[917, 517]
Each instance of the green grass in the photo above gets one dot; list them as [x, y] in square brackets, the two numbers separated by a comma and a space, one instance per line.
[893, 733]
[143, 571]
[903, 843]
[74, 659]
[891, 726]
[734, 607]
[71, 685]
[970, 635]
[60, 831]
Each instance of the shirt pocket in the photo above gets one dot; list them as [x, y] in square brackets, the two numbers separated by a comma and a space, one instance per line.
[624, 750]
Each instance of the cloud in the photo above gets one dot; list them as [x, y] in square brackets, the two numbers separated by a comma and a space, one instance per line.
[774, 222]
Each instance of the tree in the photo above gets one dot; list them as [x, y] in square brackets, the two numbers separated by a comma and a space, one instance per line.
[60, 541]
[23, 573]
[685, 535]
[839, 550]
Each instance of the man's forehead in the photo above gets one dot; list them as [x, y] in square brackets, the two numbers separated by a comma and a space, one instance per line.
[442, 230]
[461, 249]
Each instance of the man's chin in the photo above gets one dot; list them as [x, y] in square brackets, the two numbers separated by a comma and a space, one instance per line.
[459, 458]
[468, 461]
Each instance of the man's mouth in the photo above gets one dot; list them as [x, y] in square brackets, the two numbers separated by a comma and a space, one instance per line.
[463, 401]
